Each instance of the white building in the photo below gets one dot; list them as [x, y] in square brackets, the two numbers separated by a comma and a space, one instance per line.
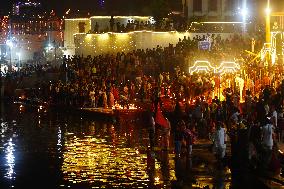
[212, 9]
[87, 25]
[72, 27]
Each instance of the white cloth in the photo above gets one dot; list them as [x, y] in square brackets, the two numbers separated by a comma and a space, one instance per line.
[235, 116]
[267, 131]
[266, 107]
[93, 98]
[274, 116]
[220, 138]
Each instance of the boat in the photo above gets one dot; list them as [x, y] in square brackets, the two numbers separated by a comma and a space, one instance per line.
[119, 114]
[103, 111]
[31, 104]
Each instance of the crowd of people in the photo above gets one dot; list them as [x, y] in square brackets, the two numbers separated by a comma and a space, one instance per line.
[159, 76]
[253, 129]
[140, 73]
[136, 25]
[172, 25]
[25, 70]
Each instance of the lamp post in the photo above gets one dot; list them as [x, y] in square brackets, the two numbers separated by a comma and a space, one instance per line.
[267, 36]
[244, 13]
[9, 43]
[267, 21]
[19, 58]
[54, 46]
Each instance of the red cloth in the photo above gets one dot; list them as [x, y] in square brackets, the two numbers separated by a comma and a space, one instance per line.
[115, 94]
[217, 81]
[160, 119]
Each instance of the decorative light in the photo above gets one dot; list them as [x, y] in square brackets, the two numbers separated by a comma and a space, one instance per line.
[266, 49]
[227, 67]
[201, 65]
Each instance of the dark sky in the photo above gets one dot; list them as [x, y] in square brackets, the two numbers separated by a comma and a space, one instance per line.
[92, 6]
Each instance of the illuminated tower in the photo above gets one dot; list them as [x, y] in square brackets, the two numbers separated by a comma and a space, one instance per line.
[102, 3]
[16, 9]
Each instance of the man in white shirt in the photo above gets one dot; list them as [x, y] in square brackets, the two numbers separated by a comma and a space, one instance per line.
[267, 142]
[220, 139]
[274, 116]
[267, 133]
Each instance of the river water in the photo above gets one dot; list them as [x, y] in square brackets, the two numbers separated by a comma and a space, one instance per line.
[66, 150]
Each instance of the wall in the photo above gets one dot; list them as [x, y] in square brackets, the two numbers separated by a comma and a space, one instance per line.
[95, 44]
[71, 28]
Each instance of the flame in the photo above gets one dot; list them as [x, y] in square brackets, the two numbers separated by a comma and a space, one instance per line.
[118, 106]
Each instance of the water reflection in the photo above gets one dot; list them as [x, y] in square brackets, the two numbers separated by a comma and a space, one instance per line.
[10, 159]
[59, 140]
[63, 150]
[8, 149]
[113, 156]
[93, 160]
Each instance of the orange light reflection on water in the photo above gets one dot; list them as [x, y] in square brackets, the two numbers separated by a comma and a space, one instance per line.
[94, 161]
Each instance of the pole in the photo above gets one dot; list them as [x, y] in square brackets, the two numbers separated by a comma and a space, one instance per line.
[55, 54]
[252, 45]
[54, 46]
[268, 40]
[10, 66]
[10, 55]
[219, 88]
[267, 21]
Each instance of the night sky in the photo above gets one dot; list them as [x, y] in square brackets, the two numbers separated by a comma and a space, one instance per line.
[92, 6]
[107, 7]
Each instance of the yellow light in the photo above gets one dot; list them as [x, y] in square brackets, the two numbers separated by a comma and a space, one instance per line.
[76, 19]
[122, 35]
[266, 49]
[218, 22]
[88, 37]
[267, 11]
[125, 17]
[104, 36]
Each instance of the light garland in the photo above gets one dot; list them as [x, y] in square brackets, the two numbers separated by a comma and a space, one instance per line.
[227, 67]
[108, 17]
[205, 66]
[201, 65]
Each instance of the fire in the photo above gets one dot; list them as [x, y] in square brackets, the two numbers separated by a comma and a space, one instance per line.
[119, 106]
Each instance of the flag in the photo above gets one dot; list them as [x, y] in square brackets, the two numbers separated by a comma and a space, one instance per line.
[160, 118]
